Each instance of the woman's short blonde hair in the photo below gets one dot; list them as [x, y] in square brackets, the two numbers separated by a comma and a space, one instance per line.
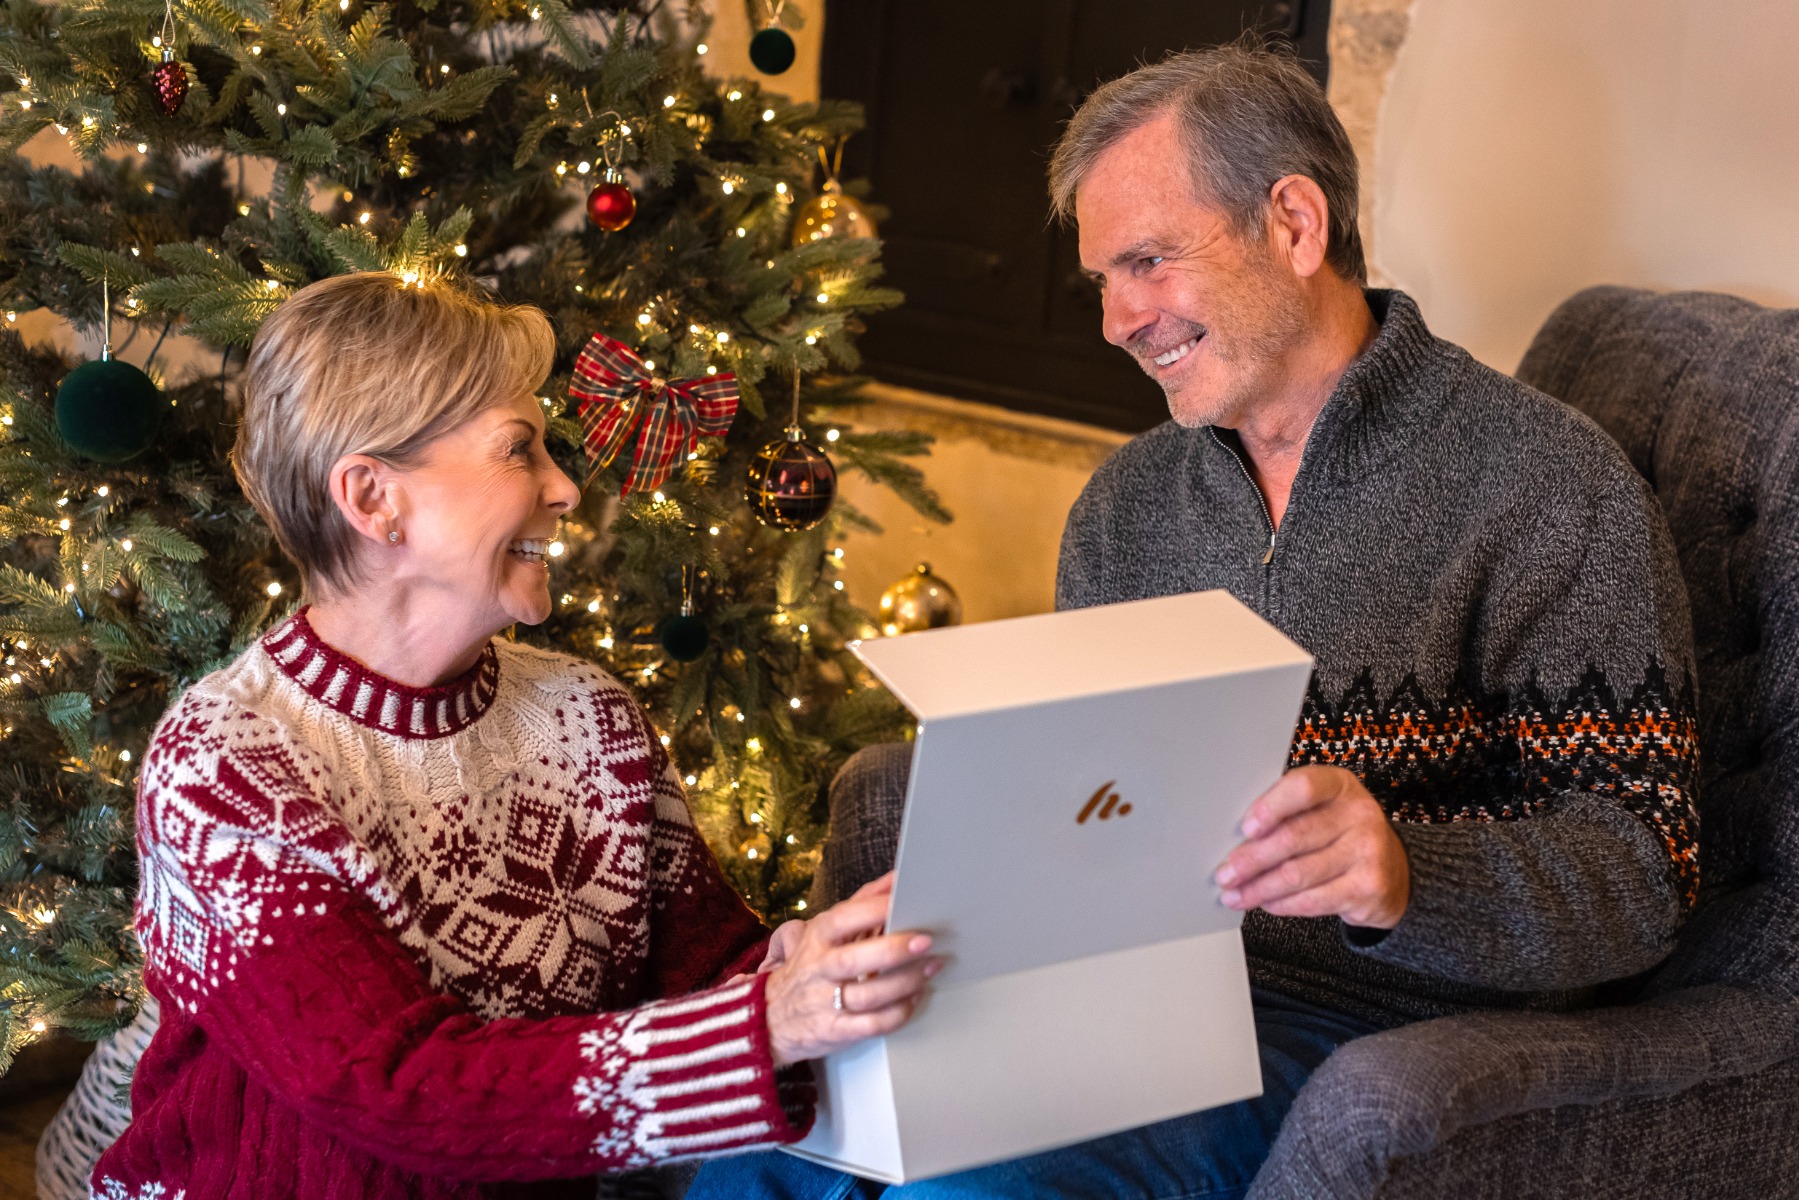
[366, 364]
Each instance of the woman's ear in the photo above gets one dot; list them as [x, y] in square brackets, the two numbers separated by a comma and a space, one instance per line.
[366, 492]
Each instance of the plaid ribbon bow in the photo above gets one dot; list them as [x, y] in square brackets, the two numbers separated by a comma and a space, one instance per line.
[618, 395]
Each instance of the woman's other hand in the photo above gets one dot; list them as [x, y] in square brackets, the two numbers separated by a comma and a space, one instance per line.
[882, 976]
[781, 946]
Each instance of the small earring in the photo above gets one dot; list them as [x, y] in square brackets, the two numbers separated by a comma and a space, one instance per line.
[393, 535]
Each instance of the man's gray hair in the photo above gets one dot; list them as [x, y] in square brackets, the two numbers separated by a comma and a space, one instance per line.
[1248, 116]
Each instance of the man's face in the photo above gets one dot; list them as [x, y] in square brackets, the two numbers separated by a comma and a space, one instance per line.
[1207, 314]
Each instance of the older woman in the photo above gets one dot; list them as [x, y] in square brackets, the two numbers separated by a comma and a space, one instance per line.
[424, 910]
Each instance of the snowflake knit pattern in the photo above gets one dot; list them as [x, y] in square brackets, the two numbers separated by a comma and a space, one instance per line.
[431, 942]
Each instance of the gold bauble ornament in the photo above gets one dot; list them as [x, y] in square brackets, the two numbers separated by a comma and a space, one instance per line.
[831, 214]
[919, 601]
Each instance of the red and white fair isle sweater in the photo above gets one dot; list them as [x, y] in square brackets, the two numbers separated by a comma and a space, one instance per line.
[420, 942]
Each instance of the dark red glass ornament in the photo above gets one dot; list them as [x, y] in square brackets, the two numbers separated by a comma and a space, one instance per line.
[791, 483]
[611, 205]
[168, 79]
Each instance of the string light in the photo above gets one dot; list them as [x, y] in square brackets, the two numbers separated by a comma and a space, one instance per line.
[555, 549]
[274, 588]
[364, 218]
[723, 337]
[126, 545]
[691, 780]
[606, 642]
[643, 318]
[811, 339]
[281, 110]
[755, 818]
[583, 167]
[593, 606]
[104, 491]
[256, 50]
[143, 147]
[713, 531]
[668, 102]
[124, 756]
[780, 189]
[742, 232]
[768, 114]
[801, 906]
[700, 49]
[824, 297]
[734, 95]
[794, 703]
[664, 739]
[461, 250]
[711, 370]
[658, 497]
[727, 187]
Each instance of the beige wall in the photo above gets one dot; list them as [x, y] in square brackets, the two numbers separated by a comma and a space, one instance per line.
[1529, 148]
[1008, 478]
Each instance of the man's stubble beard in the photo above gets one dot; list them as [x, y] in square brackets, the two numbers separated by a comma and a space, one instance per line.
[1274, 321]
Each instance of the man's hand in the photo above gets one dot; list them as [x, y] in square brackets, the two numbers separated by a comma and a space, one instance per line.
[1318, 845]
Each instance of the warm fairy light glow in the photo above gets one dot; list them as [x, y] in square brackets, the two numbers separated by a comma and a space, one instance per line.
[838, 584]
[555, 549]
[364, 218]
[243, 210]
[713, 531]
[801, 906]
[755, 818]
[257, 50]
[692, 779]
[754, 745]
[811, 339]
[124, 756]
[38, 1027]
[270, 284]
[780, 189]
[794, 703]
[461, 249]
[742, 232]
[606, 642]
[700, 49]
[125, 545]
[668, 102]
[740, 716]
[45, 915]
[664, 739]
[658, 497]
[583, 167]
[711, 370]
[727, 187]
[62, 502]
[103, 491]
[824, 297]
[63, 524]
[734, 95]
[643, 318]
[768, 114]
[593, 606]
[723, 337]
[274, 588]
[281, 110]
[649, 364]
[562, 168]
[69, 588]
[832, 435]
[837, 554]
[805, 628]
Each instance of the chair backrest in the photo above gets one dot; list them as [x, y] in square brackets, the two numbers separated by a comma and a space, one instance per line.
[1702, 392]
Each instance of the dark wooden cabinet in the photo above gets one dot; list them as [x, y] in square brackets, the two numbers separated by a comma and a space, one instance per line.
[965, 99]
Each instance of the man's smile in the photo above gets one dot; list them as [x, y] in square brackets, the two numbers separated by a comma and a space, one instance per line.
[1169, 357]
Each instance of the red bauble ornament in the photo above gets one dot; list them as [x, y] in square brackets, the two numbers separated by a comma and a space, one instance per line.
[611, 205]
[791, 483]
[169, 81]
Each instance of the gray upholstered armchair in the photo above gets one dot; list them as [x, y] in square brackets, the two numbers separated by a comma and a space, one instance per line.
[1689, 1085]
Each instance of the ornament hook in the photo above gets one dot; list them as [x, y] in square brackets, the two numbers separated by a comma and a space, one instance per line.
[105, 319]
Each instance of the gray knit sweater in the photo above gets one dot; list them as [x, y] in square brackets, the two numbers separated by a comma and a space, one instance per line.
[1503, 656]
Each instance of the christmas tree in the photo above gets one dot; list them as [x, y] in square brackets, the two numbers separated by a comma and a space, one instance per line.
[569, 155]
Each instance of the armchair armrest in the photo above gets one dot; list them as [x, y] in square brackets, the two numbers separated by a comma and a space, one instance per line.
[1402, 1093]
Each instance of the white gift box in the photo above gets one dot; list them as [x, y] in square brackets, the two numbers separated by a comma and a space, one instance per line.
[1077, 778]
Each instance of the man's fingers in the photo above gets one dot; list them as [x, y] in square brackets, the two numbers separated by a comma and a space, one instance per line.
[887, 953]
[1295, 875]
[1295, 792]
[1333, 898]
[1305, 833]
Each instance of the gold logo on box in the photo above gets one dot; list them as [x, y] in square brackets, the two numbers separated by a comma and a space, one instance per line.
[1106, 800]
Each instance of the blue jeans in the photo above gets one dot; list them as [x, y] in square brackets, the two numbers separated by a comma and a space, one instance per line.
[1211, 1155]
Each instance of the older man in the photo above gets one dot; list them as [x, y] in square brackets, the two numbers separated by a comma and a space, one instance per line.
[1490, 797]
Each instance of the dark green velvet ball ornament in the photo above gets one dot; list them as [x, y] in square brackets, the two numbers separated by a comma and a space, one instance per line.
[108, 410]
[685, 637]
[772, 50]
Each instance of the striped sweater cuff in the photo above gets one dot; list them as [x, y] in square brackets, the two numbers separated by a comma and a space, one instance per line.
[690, 1076]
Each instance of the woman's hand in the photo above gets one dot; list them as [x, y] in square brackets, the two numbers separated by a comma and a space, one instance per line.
[881, 976]
[780, 947]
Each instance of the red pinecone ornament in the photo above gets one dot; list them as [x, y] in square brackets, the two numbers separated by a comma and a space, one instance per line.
[611, 205]
[169, 81]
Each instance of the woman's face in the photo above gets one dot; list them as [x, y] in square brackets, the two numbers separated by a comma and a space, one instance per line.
[478, 513]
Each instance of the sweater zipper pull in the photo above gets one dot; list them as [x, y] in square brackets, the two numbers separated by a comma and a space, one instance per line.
[1268, 554]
